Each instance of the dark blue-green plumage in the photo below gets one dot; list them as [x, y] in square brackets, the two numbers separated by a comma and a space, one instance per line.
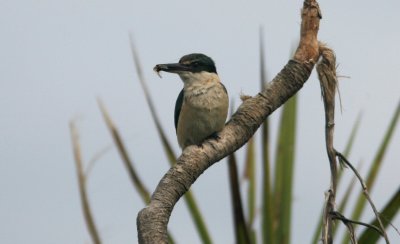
[178, 106]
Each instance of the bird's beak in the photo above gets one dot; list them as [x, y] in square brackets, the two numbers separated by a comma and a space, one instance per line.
[171, 68]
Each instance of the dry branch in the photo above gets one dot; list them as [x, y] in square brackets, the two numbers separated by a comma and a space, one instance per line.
[152, 221]
[366, 194]
[326, 69]
[346, 221]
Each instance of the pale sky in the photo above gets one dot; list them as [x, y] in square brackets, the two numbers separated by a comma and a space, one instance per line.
[58, 56]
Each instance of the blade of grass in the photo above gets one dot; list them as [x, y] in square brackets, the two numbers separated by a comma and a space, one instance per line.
[194, 210]
[375, 167]
[241, 231]
[165, 143]
[87, 212]
[353, 133]
[350, 143]
[347, 151]
[284, 170]
[267, 216]
[284, 164]
[387, 214]
[250, 175]
[135, 179]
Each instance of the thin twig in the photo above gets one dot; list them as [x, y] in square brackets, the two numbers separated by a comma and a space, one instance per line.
[349, 225]
[365, 191]
[339, 216]
[346, 197]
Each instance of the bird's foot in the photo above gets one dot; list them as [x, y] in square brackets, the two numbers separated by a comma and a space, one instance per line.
[200, 145]
[214, 136]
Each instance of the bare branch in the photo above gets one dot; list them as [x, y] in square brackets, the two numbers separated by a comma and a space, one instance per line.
[348, 223]
[345, 220]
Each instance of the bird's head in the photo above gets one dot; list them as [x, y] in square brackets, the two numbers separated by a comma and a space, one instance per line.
[191, 68]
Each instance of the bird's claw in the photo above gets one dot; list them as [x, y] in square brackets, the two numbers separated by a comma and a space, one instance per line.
[215, 136]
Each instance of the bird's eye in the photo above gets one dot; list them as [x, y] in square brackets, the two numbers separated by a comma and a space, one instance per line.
[196, 64]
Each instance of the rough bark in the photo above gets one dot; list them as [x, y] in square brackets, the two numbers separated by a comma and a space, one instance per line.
[152, 221]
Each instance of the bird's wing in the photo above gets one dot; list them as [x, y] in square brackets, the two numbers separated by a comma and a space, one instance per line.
[178, 106]
[224, 88]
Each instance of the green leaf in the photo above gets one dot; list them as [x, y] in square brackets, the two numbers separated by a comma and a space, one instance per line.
[267, 216]
[284, 167]
[241, 231]
[375, 167]
[349, 144]
[197, 217]
[377, 163]
[250, 175]
[387, 215]
[352, 137]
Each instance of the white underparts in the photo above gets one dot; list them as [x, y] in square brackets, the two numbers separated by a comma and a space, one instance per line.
[204, 108]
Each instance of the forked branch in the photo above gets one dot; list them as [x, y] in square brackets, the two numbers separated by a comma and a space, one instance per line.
[327, 77]
[381, 231]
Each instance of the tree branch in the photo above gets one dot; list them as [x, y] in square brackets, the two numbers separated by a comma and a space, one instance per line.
[152, 221]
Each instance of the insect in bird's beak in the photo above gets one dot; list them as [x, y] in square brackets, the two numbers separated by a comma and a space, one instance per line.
[157, 70]
[171, 68]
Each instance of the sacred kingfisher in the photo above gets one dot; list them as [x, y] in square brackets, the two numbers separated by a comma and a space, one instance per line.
[202, 105]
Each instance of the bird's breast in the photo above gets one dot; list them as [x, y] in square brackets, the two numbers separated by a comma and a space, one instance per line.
[204, 111]
[206, 96]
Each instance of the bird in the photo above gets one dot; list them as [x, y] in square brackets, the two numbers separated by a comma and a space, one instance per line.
[202, 105]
